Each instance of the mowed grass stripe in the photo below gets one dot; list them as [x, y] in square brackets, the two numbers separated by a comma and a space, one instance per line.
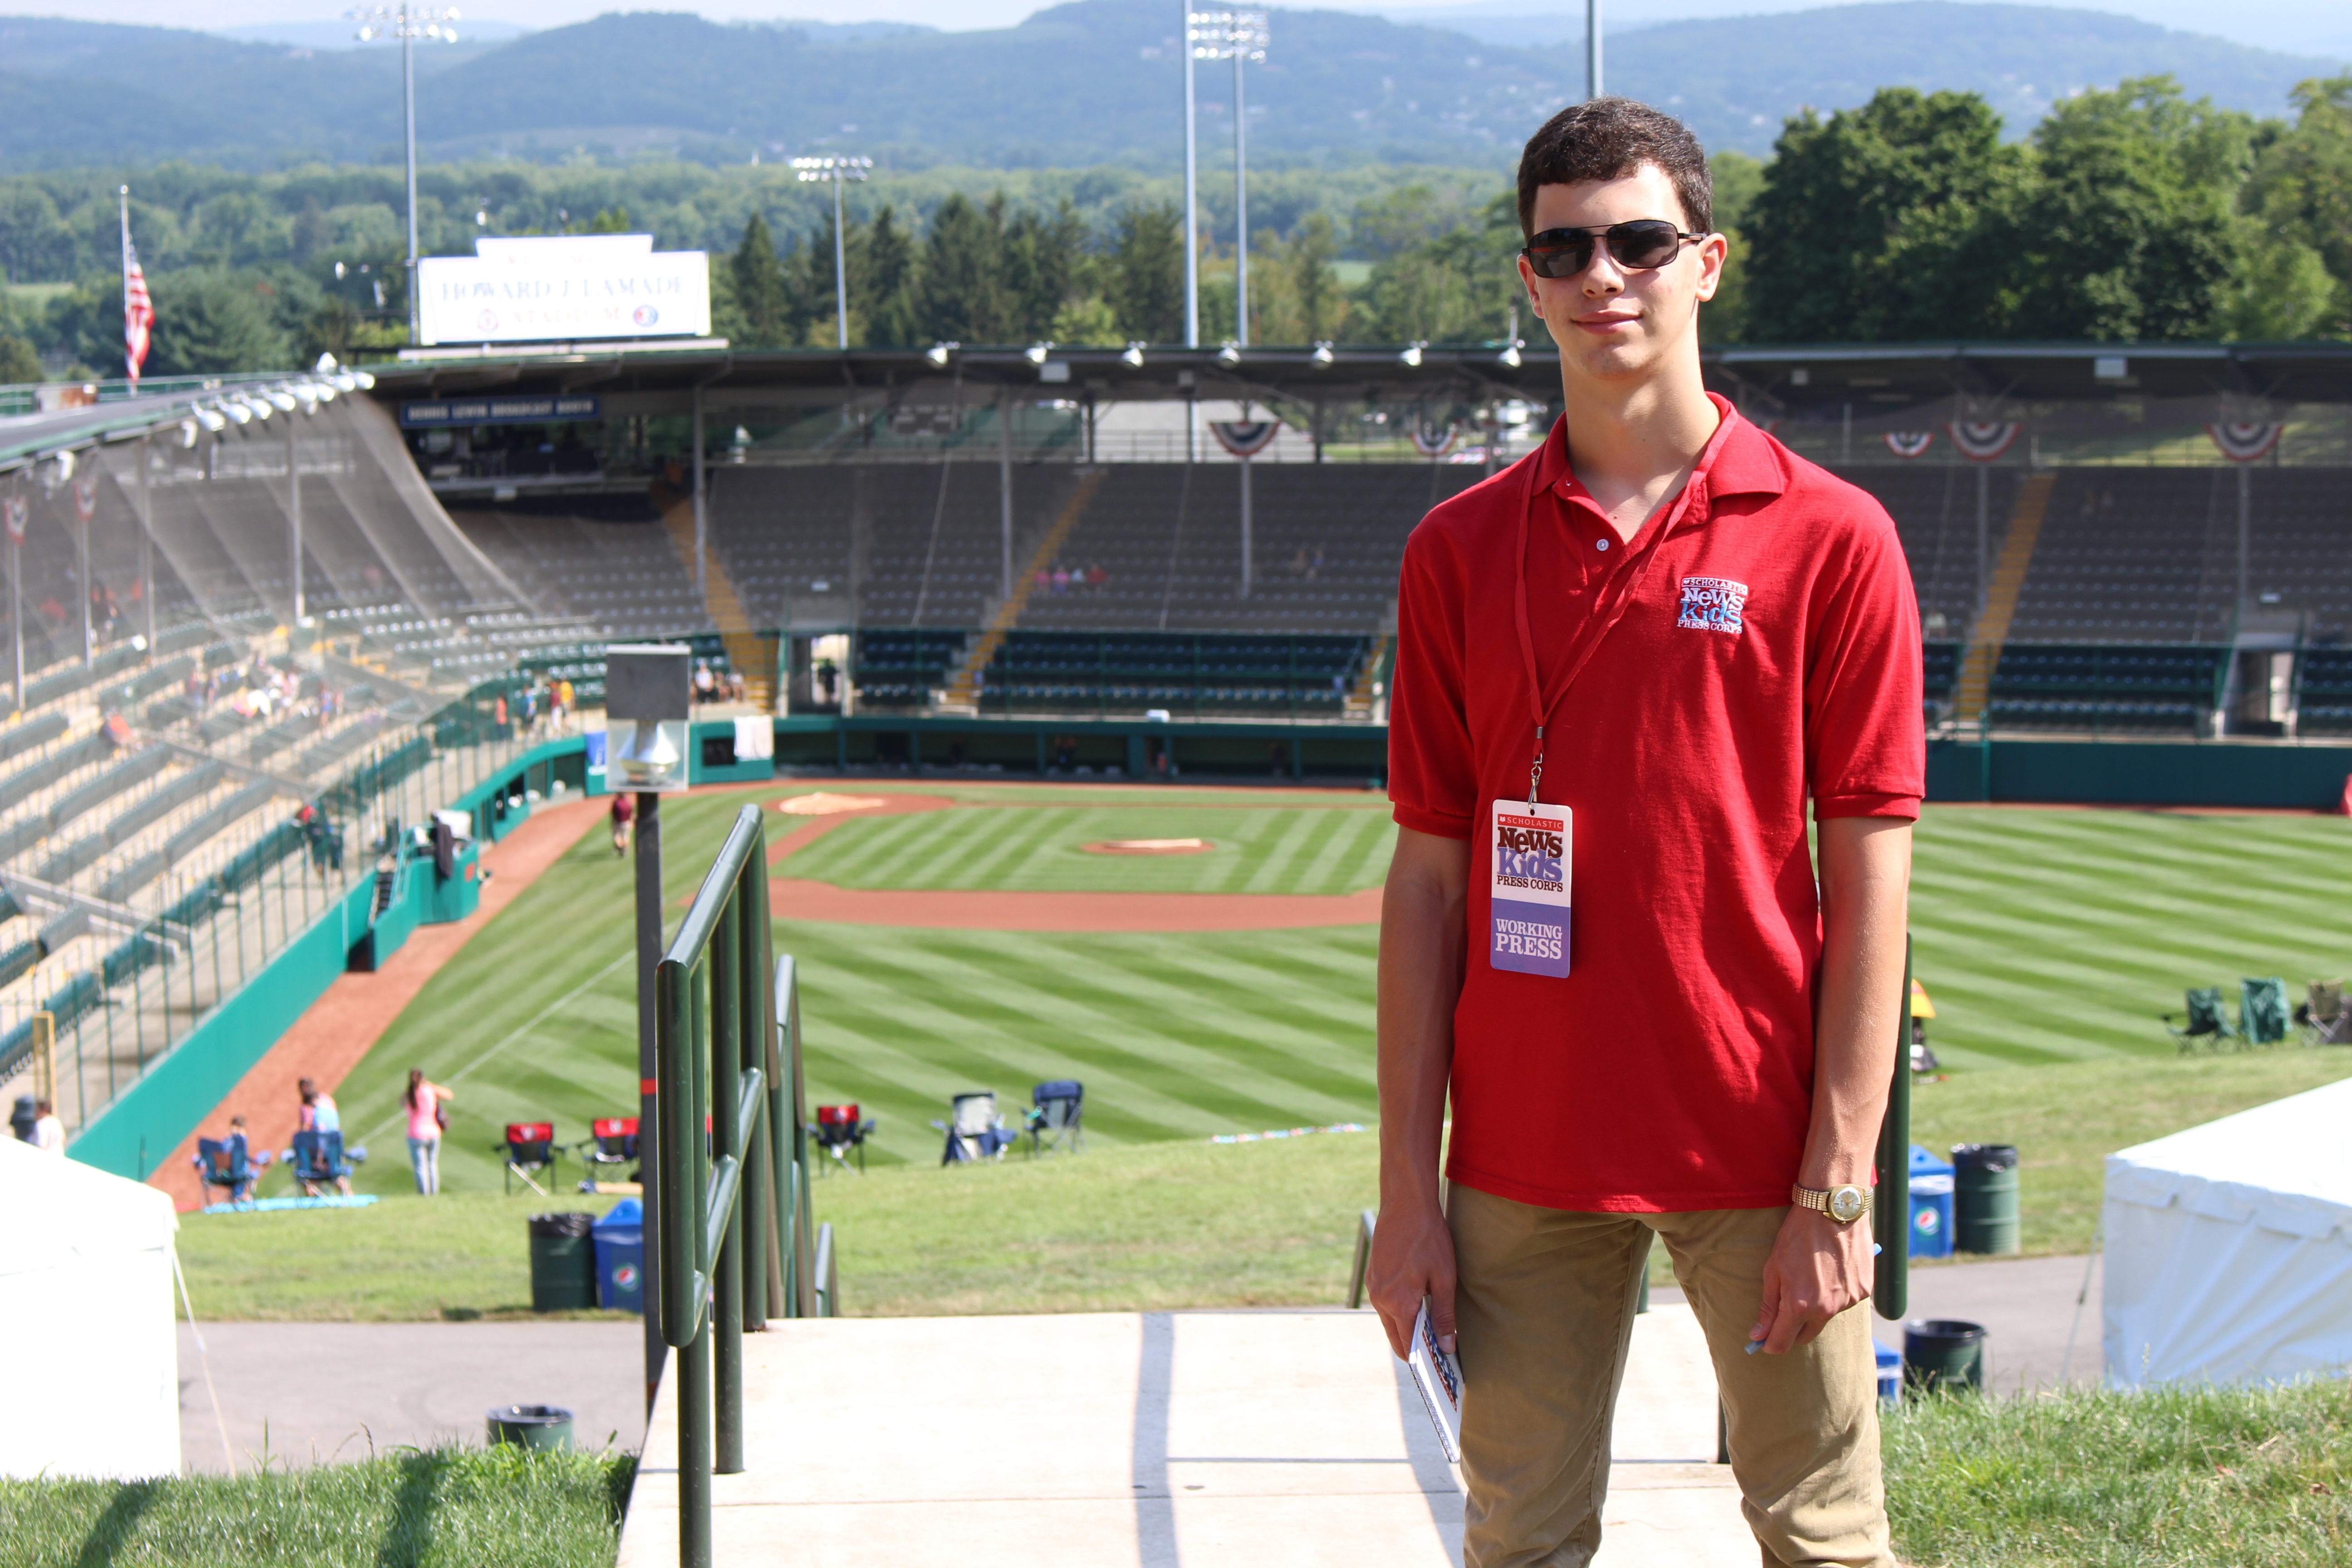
[2044, 937]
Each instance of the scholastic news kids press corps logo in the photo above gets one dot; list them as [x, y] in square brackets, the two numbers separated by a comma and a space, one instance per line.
[1712, 604]
[1527, 852]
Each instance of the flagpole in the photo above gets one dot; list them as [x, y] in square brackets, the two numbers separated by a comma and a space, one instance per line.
[129, 364]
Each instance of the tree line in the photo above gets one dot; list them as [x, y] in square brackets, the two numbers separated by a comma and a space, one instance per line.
[2133, 213]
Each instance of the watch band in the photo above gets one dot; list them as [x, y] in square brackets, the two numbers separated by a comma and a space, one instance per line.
[1825, 1200]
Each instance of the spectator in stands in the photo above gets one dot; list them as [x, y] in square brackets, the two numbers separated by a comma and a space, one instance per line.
[1686, 562]
[624, 812]
[498, 716]
[235, 1138]
[425, 1121]
[48, 1132]
[1096, 578]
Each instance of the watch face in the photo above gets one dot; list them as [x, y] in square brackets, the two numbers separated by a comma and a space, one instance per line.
[1847, 1202]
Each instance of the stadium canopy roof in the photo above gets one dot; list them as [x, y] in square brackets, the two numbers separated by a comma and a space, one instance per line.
[1799, 380]
[650, 379]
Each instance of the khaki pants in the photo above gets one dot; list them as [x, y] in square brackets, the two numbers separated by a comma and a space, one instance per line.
[1545, 1309]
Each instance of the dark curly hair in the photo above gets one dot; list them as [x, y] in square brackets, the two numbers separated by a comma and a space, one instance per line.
[1608, 138]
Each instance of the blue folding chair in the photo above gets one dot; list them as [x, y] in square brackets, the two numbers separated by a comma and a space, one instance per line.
[318, 1160]
[1054, 1118]
[226, 1162]
[974, 1130]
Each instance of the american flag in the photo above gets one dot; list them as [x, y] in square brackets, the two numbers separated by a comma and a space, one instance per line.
[138, 309]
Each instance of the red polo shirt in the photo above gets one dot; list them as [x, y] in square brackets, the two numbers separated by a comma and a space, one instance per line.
[1769, 653]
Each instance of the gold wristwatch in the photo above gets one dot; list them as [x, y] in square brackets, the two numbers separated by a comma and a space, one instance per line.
[1845, 1203]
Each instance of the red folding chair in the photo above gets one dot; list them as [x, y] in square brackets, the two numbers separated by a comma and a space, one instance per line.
[530, 1146]
[838, 1131]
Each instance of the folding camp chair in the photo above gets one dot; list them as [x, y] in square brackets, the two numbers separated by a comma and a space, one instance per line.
[974, 1130]
[2205, 1024]
[317, 1160]
[837, 1132]
[1053, 1122]
[1923, 1056]
[613, 1141]
[2261, 1010]
[225, 1162]
[2322, 1017]
[530, 1146]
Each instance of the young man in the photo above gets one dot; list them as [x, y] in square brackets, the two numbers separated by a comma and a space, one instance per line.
[1666, 624]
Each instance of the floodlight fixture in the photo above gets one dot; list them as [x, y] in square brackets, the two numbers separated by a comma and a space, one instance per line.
[937, 354]
[188, 431]
[407, 23]
[366, 382]
[1036, 353]
[1322, 354]
[280, 399]
[839, 170]
[1231, 355]
[1133, 357]
[1509, 359]
[211, 419]
[1411, 355]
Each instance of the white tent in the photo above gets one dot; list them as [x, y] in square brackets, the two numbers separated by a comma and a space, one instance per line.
[86, 1316]
[2228, 1249]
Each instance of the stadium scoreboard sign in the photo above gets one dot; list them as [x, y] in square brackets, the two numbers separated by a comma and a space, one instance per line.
[567, 288]
[459, 412]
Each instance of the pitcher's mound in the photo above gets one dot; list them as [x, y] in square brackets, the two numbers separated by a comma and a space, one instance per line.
[1150, 847]
[824, 805]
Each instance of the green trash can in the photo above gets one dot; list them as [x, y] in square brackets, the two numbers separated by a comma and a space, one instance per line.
[1984, 1198]
[1943, 1353]
[541, 1428]
[562, 1262]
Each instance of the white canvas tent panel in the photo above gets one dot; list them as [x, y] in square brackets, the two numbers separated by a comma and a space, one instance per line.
[2229, 1246]
[86, 1313]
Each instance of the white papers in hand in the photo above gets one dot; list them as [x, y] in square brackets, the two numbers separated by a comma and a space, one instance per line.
[1439, 1377]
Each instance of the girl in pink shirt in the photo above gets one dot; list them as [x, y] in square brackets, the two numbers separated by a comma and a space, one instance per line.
[424, 1102]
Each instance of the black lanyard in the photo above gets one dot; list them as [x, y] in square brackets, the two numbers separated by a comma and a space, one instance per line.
[1606, 614]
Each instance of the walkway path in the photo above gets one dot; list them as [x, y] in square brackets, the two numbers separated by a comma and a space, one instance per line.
[330, 1038]
[1156, 1439]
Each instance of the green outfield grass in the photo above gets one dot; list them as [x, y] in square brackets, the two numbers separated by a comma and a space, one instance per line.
[2045, 937]
[2053, 936]
[1273, 847]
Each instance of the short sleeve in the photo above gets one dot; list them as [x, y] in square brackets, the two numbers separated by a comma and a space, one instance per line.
[1865, 733]
[1433, 775]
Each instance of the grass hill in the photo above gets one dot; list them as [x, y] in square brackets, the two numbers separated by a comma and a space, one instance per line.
[1091, 81]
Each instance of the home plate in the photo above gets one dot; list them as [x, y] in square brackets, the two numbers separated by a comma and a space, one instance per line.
[1158, 1439]
[1149, 846]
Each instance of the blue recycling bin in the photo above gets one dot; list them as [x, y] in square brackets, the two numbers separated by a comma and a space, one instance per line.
[1931, 1204]
[620, 1239]
[1890, 1373]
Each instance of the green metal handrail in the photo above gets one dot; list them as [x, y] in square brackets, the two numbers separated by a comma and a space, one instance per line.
[732, 1159]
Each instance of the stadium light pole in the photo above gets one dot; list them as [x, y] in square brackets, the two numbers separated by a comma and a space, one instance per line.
[1592, 49]
[810, 171]
[407, 23]
[1239, 36]
[1193, 24]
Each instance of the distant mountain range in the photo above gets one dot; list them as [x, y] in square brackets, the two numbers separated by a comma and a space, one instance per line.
[1092, 82]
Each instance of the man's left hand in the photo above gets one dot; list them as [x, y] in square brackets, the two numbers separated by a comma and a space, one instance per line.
[1818, 1269]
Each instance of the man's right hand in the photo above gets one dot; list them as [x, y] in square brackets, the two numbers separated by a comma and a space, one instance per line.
[1413, 1257]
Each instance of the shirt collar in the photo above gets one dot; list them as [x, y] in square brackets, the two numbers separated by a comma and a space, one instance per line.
[1738, 459]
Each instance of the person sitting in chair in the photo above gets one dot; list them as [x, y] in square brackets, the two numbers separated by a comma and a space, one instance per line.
[320, 1115]
[240, 1154]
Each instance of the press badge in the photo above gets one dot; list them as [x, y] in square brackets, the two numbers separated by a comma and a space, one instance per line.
[1530, 872]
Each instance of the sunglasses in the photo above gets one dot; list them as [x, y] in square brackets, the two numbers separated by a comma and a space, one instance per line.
[1639, 246]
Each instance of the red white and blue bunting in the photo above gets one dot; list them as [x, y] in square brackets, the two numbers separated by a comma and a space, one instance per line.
[1432, 444]
[85, 494]
[1246, 437]
[1982, 441]
[1909, 443]
[2245, 443]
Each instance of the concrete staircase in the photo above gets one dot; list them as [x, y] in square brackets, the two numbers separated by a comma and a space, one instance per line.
[1992, 631]
[1359, 703]
[963, 690]
[745, 649]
